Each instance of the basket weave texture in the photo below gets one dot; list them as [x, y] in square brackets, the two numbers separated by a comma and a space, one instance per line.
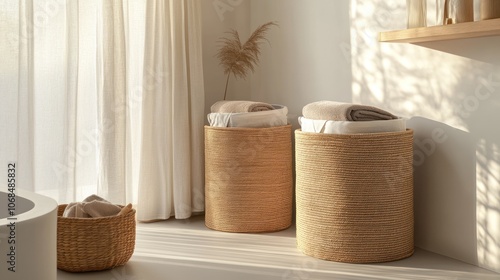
[248, 179]
[93, 244]
[354, 196]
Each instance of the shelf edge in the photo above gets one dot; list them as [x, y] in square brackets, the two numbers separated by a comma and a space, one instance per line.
[439, 33]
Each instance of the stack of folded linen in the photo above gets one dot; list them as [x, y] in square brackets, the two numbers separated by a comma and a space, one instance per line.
[94, 207]
[247, 114]
[344, 118]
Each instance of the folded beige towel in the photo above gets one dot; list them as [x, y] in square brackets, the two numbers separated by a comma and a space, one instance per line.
[94, 207]
[98, 209]
[94, 197]
[240, 107]
[337, 111]
[75, 210]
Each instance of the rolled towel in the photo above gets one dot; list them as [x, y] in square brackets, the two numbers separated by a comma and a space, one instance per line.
[98, 209]
[240, 107]
[337, 111]
[125, 210]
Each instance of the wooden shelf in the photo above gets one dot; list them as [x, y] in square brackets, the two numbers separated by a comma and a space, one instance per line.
[443, 32]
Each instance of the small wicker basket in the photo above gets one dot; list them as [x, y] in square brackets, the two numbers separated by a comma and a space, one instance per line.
[248, 179]
[93, 244]
[354, 196]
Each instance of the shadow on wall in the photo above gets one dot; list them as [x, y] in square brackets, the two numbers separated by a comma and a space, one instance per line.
[457, 91]
[445, 201]
[481, 49]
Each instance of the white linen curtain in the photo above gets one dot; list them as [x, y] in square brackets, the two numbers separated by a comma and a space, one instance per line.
[106, 97]
[171, 173]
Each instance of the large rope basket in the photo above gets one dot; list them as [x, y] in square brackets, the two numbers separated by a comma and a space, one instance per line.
[248, 179]
[93, 244]
[354, 196]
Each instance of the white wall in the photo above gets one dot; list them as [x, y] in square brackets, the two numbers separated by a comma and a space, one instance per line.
[328, 49]
[304, 62]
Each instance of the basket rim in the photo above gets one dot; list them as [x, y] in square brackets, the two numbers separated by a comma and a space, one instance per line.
[355, 135]
[131, 212]
[247, 128]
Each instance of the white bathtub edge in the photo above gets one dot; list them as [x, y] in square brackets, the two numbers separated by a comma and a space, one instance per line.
[43, 206]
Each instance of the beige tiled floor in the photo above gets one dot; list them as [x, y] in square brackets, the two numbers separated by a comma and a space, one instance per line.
[188, 250]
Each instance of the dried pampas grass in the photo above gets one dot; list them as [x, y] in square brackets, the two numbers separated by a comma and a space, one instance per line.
[238, 59]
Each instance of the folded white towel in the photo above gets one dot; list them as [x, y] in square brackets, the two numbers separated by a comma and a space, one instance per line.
[348, 127]
[239, 106]
[276, 117]
[338, 111]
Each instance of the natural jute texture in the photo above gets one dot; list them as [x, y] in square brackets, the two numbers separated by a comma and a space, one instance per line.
[354, 196]
[248, 179]
[92, 244]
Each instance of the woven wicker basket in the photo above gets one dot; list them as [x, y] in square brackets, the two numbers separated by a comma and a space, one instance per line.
[93, 244]
[355, 196]
[248, 179]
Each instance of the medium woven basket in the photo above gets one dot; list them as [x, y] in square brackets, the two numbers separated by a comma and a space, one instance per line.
[93, 244]
[248, 179]
[354, 196]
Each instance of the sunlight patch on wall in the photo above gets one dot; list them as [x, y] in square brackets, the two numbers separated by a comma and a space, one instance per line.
[387, 75]
[488, 204]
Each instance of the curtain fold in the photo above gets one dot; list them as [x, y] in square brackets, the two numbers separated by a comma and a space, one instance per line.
[25, 102]
[112, 99]
[171, 171]
[196, 105]
[68, 182]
